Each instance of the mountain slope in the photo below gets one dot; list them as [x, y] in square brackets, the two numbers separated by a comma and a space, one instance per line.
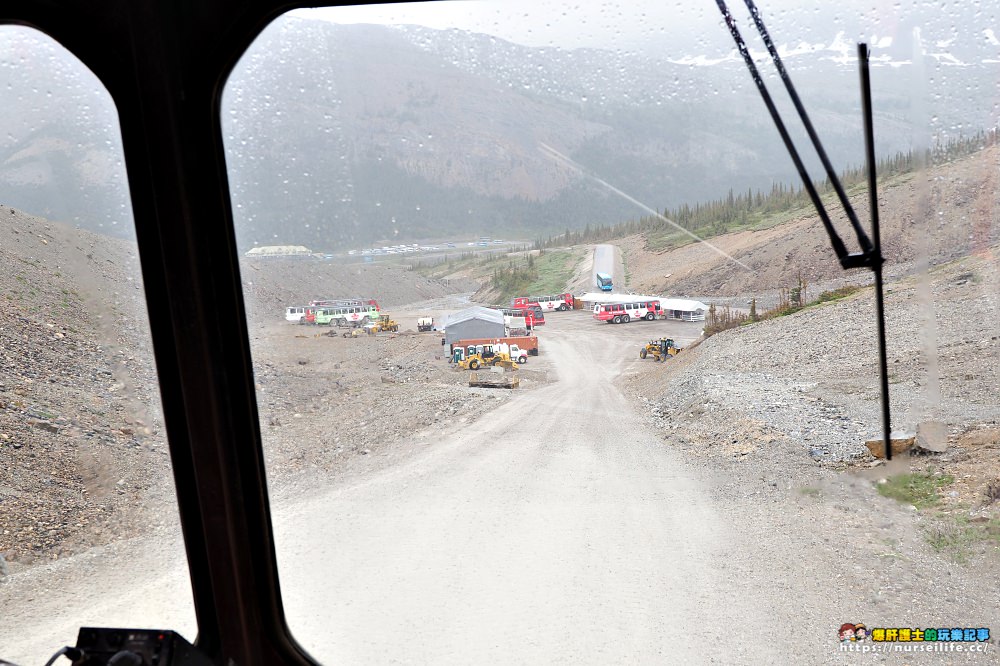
[940, 214]
[344, 135]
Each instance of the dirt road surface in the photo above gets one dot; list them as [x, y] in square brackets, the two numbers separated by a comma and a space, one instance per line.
[608, 259]
[553, 529]
[556, 527]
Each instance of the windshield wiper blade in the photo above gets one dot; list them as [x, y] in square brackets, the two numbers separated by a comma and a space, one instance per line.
[866, 244]
[871, 252]
[847, 260]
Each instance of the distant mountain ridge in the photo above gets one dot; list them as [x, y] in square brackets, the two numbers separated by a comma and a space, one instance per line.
[346, 135]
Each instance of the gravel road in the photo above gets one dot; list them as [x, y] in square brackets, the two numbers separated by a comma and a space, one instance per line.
[557, 526]
[608, 259]
[553, 529]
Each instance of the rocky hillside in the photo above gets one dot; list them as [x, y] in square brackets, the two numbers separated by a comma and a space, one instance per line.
[947, 212]
[82, 451]
[80, 438]
[270, 285]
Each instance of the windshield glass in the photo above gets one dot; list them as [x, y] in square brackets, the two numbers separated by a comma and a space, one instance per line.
[655, 483]
[88, 521]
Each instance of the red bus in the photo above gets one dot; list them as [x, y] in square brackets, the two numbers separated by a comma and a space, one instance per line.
[560, 302]
[622, 313]
[532, 316]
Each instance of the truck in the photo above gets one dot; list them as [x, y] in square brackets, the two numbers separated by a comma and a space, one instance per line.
[516, 324]
[513, 352]
[425, 324]
[519, 318]
[526, 343]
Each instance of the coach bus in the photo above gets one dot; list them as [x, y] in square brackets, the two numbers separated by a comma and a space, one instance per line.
[623, 313]
[559, 302]
[355, 315]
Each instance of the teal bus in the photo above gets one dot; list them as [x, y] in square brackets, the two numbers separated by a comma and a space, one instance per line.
[604, 281]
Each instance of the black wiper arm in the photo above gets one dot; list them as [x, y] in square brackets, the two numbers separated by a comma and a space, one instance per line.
[847, 260]
[871, 253]
[863, 240]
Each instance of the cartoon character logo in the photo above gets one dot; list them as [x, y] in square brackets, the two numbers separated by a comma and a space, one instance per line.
[846, 632]
[860, 632]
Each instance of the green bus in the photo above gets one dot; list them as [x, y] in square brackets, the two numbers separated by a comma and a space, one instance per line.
[353, 315]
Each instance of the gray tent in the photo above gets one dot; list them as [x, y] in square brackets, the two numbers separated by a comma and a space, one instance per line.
[474, 322]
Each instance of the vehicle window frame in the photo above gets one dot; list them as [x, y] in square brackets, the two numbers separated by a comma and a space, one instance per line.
[165, 66]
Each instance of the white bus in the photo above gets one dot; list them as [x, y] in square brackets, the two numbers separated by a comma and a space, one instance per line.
[295, 313]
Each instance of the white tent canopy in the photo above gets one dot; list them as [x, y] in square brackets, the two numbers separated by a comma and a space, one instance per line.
[674, 308]
[665, 303]
[475, 312]
[682, 304]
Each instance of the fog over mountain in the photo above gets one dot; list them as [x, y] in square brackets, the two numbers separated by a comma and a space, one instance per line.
[346, 135]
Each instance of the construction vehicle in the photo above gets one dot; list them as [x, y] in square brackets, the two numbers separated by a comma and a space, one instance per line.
[660, 350]
[384, 323]
[425, 324]
[474, 357]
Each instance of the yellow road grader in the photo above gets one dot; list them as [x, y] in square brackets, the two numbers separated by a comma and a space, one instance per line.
[660, 350]
[384, 323]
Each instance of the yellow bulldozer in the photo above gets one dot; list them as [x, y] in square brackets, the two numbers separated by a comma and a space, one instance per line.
[660, 350]
[384, 323]
[481, 356]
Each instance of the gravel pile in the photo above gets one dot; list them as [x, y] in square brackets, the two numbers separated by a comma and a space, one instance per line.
[812, 377]
[780, 408]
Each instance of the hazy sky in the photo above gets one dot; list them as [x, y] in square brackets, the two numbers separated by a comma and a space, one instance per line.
[559, 23]
[631, 25]
[568, 24]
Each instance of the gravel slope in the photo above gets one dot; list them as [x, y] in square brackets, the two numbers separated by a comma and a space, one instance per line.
[936, 216]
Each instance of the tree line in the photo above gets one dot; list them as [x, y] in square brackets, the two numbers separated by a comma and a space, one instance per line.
[740, 209]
